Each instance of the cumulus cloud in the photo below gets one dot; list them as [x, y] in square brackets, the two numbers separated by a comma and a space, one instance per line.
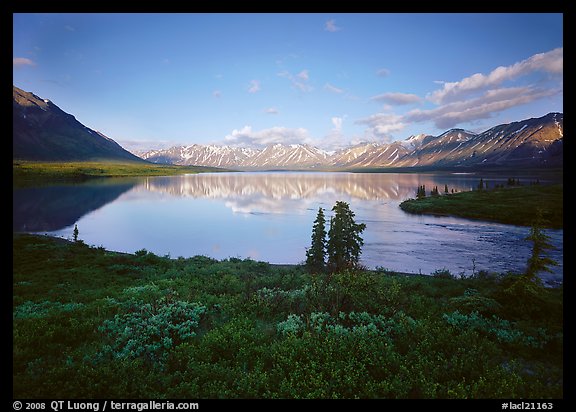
[331, 26]
[22, 61]
[397, 98]
[254, 86]
[550, 62]
[380, 125]
[337, 123]
[247, 136]
[335, 139]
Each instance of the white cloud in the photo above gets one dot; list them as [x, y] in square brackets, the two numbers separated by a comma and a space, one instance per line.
[482, 107]
[337, 123]
[271, 110]
[299, 81]
[397, 98]
[478, 96]
[265, 137]
[22, 61]
[380, 125]
[333, 89]
[254, 86]
[550, 62]
[335, 139]
[331, 26]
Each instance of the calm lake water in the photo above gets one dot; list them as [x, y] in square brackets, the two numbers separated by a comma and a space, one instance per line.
[269, 216]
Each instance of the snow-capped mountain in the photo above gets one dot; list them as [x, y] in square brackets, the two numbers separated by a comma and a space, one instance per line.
[217, 156]
[530, 142]
[416, 141]
[295, 155]
[369, 155]
[429, 150]
[273, 156]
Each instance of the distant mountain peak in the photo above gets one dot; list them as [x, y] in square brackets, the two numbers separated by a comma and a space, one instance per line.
[531, 142]
[42, 131]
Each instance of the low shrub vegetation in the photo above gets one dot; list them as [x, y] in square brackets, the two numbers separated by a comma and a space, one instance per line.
[90, 323]
[518, 205]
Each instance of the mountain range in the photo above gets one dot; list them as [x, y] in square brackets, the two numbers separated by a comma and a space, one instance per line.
[532, 142]
[43, 131]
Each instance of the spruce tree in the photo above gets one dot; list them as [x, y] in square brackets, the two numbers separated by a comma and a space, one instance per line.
[539, 261]
[421, 192]
[75, 233]
[344, 240]
[316, 255]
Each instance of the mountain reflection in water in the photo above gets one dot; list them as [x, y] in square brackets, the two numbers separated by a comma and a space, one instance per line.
[269, 215]
[49, 208]
[282, 192]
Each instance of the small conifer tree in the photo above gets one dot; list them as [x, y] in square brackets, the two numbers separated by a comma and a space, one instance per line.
[344, 240]
[75, 233]
[421, 192]
[538, 260]
[316, 255]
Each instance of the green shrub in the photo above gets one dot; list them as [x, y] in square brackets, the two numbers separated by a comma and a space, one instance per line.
[352, 323]
[353, 290]
[443, 274]
[29, 309]
[291, 326]
[150, 330]
[472, 301]
[274, 300]
[94, 324]
[501, 329]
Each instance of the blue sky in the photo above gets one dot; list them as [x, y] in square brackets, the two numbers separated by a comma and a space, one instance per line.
[157, 80]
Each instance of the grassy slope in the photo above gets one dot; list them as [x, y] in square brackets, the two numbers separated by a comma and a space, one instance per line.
[28, 172]
[514, 205]
[90, 323]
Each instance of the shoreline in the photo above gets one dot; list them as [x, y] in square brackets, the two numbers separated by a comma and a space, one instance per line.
[547, 279]
[518, 205]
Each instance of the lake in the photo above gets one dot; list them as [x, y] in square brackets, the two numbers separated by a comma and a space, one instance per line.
[268, 216]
